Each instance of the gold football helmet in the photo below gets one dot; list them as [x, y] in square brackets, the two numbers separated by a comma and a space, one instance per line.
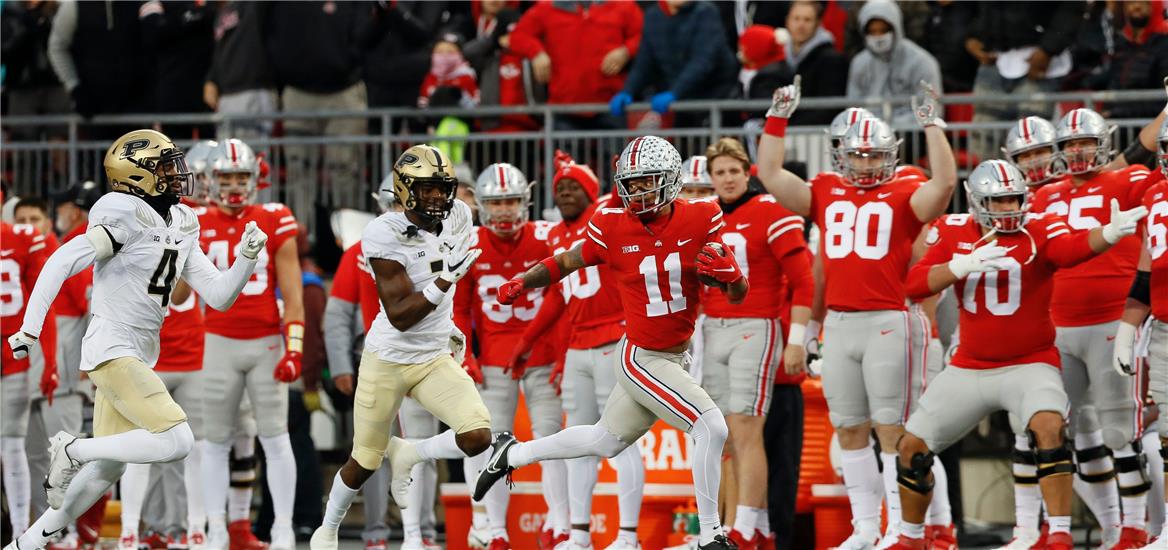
[424, 165]
[147, 164]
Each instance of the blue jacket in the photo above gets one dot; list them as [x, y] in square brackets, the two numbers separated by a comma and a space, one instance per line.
[684, 53]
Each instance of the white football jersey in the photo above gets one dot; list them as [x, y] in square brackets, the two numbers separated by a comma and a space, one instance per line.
[387, 237]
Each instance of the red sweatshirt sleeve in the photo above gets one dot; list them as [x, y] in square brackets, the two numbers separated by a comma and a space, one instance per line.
[799, 279]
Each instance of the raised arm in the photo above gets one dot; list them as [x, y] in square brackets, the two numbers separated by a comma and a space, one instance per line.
[546, 272]
[790, 190]
[220, 289]
[932, 199]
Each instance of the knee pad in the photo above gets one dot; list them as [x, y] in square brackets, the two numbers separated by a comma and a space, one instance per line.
[915, 477]
[1094, 453]
[1055, 462]
[243, 470]
[1025, 458]
[1134, 464]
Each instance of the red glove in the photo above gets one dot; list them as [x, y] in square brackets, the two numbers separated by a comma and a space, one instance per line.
[471, 366]
[49, 383]
[517, 365]
[288, 369]
[509, 291]
[714, 261]
[556, 379]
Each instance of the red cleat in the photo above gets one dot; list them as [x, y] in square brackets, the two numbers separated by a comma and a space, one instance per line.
[1059, 541]
[153, 540]
[242, 538]
[89, 524]
[764, 542]
[735, 536]
[499, 543]
[1131, 538]
[905, 543]
[941, 537]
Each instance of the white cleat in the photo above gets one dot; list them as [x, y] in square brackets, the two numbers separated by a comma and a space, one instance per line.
[890, 537]
[217, 537]
[620, 544]
[403, 457]
[569, 545]
[691, 543]
[62, 468]
[128, 541]
[323, 539]
[862, 539]
[478, 539]
[413, 544]
[1023, 539]
[283, 538]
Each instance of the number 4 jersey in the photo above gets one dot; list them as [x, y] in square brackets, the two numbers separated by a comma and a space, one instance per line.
[255, 313]
[1005, 315]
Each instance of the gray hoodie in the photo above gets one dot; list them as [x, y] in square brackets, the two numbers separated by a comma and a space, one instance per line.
[898, 72]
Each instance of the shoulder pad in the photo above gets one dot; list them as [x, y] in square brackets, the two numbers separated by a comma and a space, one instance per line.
[185, 218]
[123, 211]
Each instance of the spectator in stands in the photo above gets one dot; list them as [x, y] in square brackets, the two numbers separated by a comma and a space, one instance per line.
[450, 73]
[948, 25]
[738, 16]
[1141, 57]
[763, 57]
[241, 80]
[398, 44]
[811, 54]
[180, 35]
[315, 50]
[30, 83]
[890, 64]
[1022, 49]
[580, 50]
[680, 58]
[500, 69]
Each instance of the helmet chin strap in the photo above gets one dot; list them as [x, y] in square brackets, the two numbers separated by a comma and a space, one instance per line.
[1022, 229]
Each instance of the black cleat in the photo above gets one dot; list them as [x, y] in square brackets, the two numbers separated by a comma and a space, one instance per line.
[497, 467]
[720, 542]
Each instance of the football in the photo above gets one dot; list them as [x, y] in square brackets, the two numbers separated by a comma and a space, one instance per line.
[708, 280]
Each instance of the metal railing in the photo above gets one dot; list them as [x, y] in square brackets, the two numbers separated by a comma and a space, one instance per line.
[340, 170]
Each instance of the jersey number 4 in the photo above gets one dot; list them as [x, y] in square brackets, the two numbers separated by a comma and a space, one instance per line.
[164, 275]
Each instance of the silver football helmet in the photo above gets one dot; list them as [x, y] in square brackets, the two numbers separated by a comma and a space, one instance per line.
[199, 158]
[233, 156]
[1083, 124]
[499, 182]
[869, 152]
[1032, 134]
[839, 126]
[996, 179]
[1162, 148]
[694, 173]
[648, 156]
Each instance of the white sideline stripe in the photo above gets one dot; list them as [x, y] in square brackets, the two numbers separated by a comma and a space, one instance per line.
[606, 489]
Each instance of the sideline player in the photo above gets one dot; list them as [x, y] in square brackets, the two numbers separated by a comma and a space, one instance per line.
[1021, 252]
[417, 256]
[869, 216]
[657, 247]
[141, 239]
[695, 179]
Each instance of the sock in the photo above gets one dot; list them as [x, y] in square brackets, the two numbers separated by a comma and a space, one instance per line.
[90, 483]
[582, 475]
[479, 518]
[1134, 507]
[709, 433]
[135, 446]
[939, 510]
[281, 465]
[554, 482]
[375, 495]
[862, 479]
[1059, 524]
[340, 498]
[745, 519]
[1156, 497]
[216, 478]
[1102, 498]
[573, 442]
[630, 484]
[581, 537]
[193, 483]
[471, 466]
[891, 489]
[135, 483]
[627, 536]
[239, 498]
[412, 516]
[1027, 497]
[429, 483]
[912, 530]
[442, 445]
[496, 501]
[17, 482]
[764, 522]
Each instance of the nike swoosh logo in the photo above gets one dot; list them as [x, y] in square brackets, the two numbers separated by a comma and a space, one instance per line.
[455, 266]
[1094, 189]
[1110, 338]
[271, 347]
[682, 243]
[606, 353]
[747, 336]
[177, 241]
[47, 534]
[886, 332]
[883, 195]
[742, 226]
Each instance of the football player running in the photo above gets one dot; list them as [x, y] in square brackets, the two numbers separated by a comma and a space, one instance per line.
[140, 240]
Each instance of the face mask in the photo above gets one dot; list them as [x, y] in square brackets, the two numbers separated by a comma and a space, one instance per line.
[880, 44]
[443, 64]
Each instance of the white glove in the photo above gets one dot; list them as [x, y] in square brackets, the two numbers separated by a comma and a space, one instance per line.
[457, 263]
[1122, 357]
[1123, 222]
[982, 260]
[927, 107]
[252, 241]
[458, 345]
[785, 99]
[21, 344]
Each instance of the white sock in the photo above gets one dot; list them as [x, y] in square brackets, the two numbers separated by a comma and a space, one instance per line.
[581, 537]
[554, 482]
[135, 483]
[17, 482]
[764, 522]
[1134, 507]
[340, 498]
[429, 482]
[627, 536]
[582, 475]
[1027, 497]
[239, 498]
[442, 445]
[573, 442]
[216, 478]
[1059, 524]
[1157, 508]
[939, 511]
[709, 433]
[136, 446]
[1102, 498]
[862, 478]
[891, 489]
[630, 483]
[745, 520]
[496, 501]
[471, 466]
[281, 465]
[912, 530]
[90, 483]
[412, 516]
[193, 483]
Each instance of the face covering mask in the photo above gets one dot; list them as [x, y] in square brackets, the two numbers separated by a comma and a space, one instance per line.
[880, 44]
[443, 64]
[65, 223]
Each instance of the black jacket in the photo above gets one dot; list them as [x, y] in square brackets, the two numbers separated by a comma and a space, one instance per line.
[24, 35]
[680, 53]
[1136, 67]
[947, 27]
[182, 40]
[398, 43]
[824, 73]
[316, 46]
[1003, 26]
[114, 71]
[240, 61]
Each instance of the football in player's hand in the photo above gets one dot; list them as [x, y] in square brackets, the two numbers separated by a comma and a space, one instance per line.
[709, 280]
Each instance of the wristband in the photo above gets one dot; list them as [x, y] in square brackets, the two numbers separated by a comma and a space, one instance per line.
[796, 333]
[552, 267]
[433, 294]
[1141, 289]
[1136, 153]
[776, 126]
[294, 337]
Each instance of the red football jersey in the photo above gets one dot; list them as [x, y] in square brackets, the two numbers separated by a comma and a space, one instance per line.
[866, 241]
[764, 238]
[255, 313]
[1095, 292]
[182, 337]
[1156, 232]
[23, 253]
[1005, 316]
[354, 283]
[656, 267]
[73, 301]
[594, 307]
[497, 326]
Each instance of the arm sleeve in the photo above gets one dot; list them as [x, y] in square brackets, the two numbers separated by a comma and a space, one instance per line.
[917, 282]
[340, 330]
[1063, 28]
[549, 313]
[218, 289]
[799, 279]
[704, 54]
[60, 41]
[315, 357]
[1066, 247]
[67, 261]
[525, 39]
